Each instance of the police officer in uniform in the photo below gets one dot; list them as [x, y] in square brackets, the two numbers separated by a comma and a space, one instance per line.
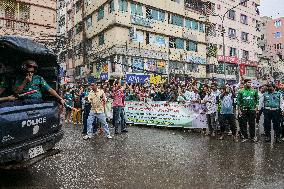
[31, 81]
[272, 104]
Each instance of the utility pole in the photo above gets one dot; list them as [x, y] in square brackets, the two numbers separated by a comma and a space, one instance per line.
[223, 33]
[84, 34]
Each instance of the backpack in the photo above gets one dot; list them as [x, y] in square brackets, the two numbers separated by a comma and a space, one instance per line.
[227, 103]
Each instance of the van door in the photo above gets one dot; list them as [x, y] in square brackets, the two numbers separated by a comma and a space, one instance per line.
[23, 122]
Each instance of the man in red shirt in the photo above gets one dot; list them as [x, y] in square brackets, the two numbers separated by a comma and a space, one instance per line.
[118, 106]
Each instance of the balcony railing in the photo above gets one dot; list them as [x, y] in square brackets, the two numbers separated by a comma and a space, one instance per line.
[195, 5]
[14, 24]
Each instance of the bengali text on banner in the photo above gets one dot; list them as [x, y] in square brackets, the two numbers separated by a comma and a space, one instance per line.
[168, 114]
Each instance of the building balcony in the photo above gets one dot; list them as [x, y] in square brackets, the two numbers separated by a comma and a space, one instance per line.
[197, 6]
[14, 24]
[126, 20]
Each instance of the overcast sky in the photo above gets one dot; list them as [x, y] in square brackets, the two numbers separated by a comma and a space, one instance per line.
[274, 8]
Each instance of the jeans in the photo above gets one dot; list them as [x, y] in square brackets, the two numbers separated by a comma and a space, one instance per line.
[248, 116]
[275, 117]
[100, 118]
[87, 109]
[211, 122]
[230, 118]
[118, 118]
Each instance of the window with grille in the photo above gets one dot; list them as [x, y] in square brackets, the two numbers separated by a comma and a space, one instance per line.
[176, 43]
[136, 9]
[101, 39]
[16, 14]
[176, 20]
[191, 46]
[244, 19]
[78, 6]
[232, 14]
[111, 6]
[89, 21]
[244, 36]
[155, 14]
[233, 51]
[101, 13]
[232, 33]
[245, 55]
[123, 5]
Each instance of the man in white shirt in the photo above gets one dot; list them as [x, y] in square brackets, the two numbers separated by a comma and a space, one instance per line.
[211, 109]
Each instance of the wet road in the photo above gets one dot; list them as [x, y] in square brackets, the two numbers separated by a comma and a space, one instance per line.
[154, 158]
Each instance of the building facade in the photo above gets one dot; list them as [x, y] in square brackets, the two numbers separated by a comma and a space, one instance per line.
[137, 37]
[241, 32]
[111, 38]
[31, 18]
[272, 46]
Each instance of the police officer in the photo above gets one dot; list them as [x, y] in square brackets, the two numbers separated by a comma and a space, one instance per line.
[31, 81]
[271, 102]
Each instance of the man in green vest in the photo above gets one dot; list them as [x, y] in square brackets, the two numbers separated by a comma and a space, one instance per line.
[247, 100]
[272, 104]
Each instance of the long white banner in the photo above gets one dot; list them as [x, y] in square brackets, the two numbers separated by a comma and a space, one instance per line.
[166, 114]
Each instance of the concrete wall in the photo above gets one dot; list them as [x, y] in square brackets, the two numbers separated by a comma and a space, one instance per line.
[42, 20]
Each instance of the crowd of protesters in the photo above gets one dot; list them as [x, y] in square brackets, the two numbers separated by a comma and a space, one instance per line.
[229, 109]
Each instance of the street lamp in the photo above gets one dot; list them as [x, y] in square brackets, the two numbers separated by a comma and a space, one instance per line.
[223, 32]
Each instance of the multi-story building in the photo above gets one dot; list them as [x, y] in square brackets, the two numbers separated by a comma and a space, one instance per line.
[31, 18]
[139, 37]
[241, 32]
[272, 45]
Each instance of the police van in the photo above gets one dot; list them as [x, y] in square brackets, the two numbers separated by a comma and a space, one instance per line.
[29, 129]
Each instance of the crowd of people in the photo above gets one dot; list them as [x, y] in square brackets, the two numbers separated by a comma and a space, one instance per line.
[229, 109]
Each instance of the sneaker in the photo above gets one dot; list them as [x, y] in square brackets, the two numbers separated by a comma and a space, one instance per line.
[124, 131]
[86, 137]
[277, 140]
[254, 139]
[244, 140]
[236, 139]
[109, 137]
[230, 133]
[221, 138]
[267, 139]
[282, 139]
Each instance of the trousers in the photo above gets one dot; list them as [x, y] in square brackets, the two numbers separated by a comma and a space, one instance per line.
[275, 117]
[230, 119]
[248, 116]
[119, 118]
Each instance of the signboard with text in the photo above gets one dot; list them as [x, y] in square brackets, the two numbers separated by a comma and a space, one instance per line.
[137, 78]
[228, 59]
[160, 113]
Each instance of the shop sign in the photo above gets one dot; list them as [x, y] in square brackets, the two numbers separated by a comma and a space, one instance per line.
[195, 60]
[248, 62]
[137, 78]
[228, 59]
[104, 76]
